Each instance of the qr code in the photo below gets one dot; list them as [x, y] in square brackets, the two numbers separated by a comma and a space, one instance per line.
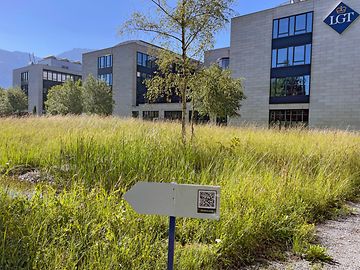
[207, 199]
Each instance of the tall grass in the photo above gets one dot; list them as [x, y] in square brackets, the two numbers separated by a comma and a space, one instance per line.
[274, 184]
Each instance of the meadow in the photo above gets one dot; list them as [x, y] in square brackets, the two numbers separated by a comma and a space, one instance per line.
[275, 186]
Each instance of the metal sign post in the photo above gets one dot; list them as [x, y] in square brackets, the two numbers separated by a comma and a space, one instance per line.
[171, 249]
[174, 200]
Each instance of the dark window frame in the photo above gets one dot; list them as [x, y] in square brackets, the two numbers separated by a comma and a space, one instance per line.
[287, 117]
[305, 78]
[293, 32]
[291, 56]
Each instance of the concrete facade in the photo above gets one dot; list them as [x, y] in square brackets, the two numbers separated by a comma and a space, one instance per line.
[124, 73]
[36, 84]
[334, 89]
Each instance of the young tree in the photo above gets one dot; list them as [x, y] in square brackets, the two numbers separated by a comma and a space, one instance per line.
[188, 28]
[18, 100]
[65, 99]
[97, 97]
[216, 93]
[5, 106]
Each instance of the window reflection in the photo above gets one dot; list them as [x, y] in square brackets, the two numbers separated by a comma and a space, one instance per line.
[299, 55]
[294, 25]
[290, 86]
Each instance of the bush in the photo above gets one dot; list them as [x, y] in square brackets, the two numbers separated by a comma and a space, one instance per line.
[12, 101]
[65, 99]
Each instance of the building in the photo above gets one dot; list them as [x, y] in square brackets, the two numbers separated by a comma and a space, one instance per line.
[36, 79]
[125, 67]
[300, 64]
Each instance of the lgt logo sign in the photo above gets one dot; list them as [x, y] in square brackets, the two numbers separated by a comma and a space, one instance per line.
[341, 18]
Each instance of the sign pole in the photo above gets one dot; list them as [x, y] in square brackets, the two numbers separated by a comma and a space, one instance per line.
[172, 223]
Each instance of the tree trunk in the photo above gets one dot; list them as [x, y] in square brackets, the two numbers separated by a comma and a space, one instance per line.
[184, 71]
[192, 120]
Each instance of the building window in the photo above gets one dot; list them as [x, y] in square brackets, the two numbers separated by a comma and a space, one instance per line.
[135, 114]
[108, 78]
[145, 60]
[224, 63]
[24, 77]
[58, 76]
[294, 25]
[198, 118]
[105, 61]
[173, 115]
[289, 118]
[292, 86]
[291, 56]
[25, 89]
[150, 115]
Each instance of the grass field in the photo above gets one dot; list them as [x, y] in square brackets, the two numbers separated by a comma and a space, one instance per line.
[275, 186]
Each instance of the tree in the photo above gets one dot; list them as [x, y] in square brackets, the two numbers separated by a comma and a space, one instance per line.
[97, 97]
[65, 99]
[5, 106]
[18, 100]
[216, 93]
[188, 28]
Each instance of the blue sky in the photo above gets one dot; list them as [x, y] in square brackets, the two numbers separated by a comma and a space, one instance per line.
[47, 27]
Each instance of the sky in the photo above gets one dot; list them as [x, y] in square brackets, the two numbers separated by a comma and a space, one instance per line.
[50, 27]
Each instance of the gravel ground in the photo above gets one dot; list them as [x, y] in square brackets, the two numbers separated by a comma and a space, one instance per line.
[341, 238]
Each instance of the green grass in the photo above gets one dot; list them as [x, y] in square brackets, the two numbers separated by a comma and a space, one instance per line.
[274, 186]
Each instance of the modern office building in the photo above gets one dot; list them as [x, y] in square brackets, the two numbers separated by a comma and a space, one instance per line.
[37, 78]
[125, 67]
[300, 64]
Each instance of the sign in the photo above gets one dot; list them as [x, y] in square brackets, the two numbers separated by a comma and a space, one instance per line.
[341, 18]
[175, 200]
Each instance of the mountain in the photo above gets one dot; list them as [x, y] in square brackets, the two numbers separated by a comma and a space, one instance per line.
[12, 60]
[74, 54]
[8, 62]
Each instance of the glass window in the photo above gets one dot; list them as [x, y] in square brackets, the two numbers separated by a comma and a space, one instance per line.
[274, 53]
[294, 25]
[309, 22]
[283, 27]
[291, 86]
[299, 55]
[150, 115]
[308, 54]
[275, 28]
[54, 77]
[102, 62]
[139, 59]
[44, 75]
[289, 118]
[224, 63]
[282, 57]
[307, 85]
[24, 76]
[300, 26]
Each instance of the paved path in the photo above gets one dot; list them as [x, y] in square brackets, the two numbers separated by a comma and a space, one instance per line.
[341, 238]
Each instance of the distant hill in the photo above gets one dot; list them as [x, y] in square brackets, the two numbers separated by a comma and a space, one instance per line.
[74, 54]
[8, 62]
[12, 60]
